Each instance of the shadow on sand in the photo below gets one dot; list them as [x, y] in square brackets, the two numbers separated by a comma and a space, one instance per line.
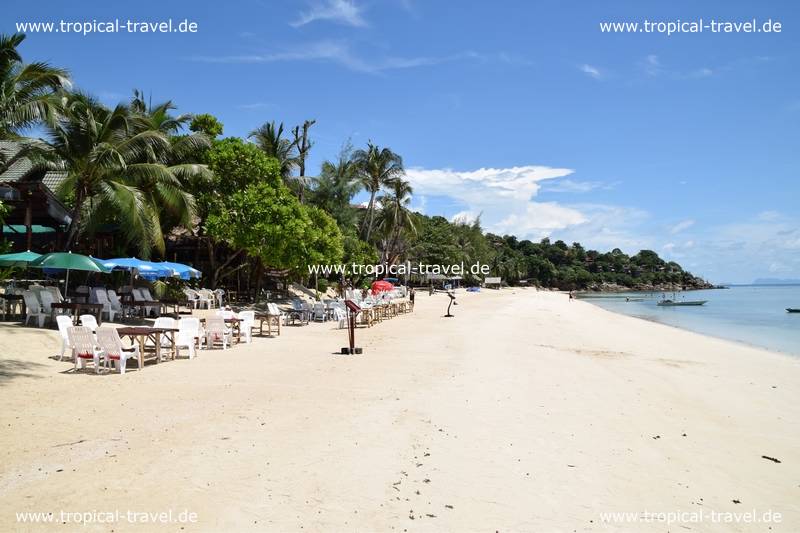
[16, 368]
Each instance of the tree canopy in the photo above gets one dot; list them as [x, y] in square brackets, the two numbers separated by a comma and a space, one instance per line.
[245, 207]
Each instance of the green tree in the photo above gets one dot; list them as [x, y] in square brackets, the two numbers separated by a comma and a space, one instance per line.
[234, 165]
[303, 146]
[105, 155]
[323, 239]
[207, 124]
[270, 224]
[358, 252]
[395, 218]
[269, 138]
[376, 168]
[181, 158]
[336, 186]
[26, 90]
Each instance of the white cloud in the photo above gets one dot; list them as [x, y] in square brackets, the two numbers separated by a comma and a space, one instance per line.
[340, 11]
[539, 219]
[683, 225]
[505, 198]
[609, 226]
[703, 72]
[340, 52]
[572, 186]
[591, 71]
[652, 65]
[742, 251]
[464, 216]
[484, 186]
[257, 105]
[418, 203]
[769, 216]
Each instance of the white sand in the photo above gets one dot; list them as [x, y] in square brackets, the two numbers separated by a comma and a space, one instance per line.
[526, 412]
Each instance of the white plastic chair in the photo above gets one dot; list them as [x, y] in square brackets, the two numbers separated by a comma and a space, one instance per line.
[139, 295]
[196, 299]
[101, 297]
[47, 304]
[188, 335]
[113, 350]
[168, 323]
[89, 321]
[340, 315]
[219, 294]
[64, 323]
[246, 325]
[274, 314]
[299, 311]
[115, 303]
[83, 347]
[217, 332]
[191, 297]
[33, 308]
[318, 312]
[209, 297]
[56, 293]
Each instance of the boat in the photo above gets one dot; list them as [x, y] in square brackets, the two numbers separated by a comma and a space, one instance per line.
[793, 309]
[672, 303]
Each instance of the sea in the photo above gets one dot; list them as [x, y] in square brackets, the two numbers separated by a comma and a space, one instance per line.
[750, 314]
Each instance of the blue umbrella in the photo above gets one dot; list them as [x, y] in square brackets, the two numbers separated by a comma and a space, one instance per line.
[147, 269]
[184, 271]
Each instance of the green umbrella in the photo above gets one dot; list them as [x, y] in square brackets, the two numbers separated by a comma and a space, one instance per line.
[19, 259]
[69, 261]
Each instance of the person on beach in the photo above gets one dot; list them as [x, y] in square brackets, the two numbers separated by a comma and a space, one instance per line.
[570, 296]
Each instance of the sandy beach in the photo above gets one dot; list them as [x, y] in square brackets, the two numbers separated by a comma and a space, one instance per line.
[525, 412]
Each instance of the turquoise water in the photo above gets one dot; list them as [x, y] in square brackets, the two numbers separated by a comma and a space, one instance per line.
[752, 314]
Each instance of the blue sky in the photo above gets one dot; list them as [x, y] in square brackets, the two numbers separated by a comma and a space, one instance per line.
[522, 111]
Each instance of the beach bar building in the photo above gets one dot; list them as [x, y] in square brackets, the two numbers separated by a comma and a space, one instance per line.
[37, 218]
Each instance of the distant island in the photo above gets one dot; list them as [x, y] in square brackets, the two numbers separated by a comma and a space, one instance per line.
[776, 281]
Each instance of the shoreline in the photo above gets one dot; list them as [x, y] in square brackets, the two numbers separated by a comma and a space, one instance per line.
[727, 325]
[736, 342]
[441, 425]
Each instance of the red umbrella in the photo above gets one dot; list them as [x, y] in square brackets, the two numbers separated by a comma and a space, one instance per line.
[381, 286]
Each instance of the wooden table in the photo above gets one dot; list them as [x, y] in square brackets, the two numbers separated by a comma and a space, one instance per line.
[268, 318]
[235, 324]
[143, 306]
[75, 308]
[141, 334]
[175, 305]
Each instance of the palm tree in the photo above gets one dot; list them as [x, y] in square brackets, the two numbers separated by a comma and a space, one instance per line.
[376, 167]
[26, 93]
[183, 149]
[395, 216]
[336, 186]
[269, 139]
[106, 156]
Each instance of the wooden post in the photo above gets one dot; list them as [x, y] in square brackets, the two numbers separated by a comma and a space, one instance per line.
[28, 221]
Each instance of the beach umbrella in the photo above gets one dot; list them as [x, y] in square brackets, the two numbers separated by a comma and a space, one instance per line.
[147, 269]
[19, 259]
[381, 286]
[69, 261]
[181, 270]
